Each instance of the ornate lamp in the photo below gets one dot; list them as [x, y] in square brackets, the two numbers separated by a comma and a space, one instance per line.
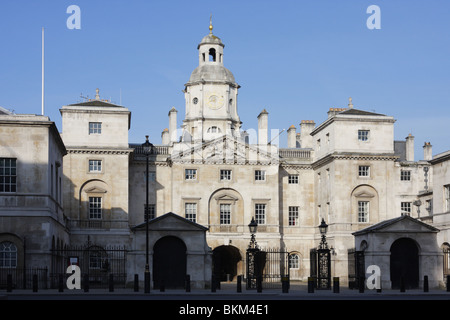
[323, 227]
[253, 227]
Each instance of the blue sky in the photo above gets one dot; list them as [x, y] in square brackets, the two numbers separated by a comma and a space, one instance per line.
[294, 58]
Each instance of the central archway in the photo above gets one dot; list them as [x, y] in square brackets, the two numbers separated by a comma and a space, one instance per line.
[225, 262]
[169, 263]
[404, 263]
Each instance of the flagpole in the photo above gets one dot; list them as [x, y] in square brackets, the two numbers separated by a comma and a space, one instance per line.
[42, 93]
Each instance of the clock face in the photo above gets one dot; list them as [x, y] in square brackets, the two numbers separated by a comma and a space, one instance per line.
[215, 101]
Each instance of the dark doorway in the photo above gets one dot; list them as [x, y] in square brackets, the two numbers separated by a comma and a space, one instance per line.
[404, 264]
[169, 263]
[225, 260]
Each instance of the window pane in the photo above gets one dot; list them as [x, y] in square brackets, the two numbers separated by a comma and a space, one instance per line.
[190, 174]
[191, 211]
[7, 175]
[260, 213]
[293, 216]
[363, 211]
[95, 207]
[225, 213]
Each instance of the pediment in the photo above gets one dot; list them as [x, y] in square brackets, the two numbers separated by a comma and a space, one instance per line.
[95, 190]
[364, 194]
[171, 222]
[403, 224]
[225, 150]
[226, 197]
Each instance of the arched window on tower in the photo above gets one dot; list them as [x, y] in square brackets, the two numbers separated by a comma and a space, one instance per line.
[212, 55]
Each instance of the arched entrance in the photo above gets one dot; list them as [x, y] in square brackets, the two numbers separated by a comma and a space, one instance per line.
[225, 262]
[404, 263]
[169, 263]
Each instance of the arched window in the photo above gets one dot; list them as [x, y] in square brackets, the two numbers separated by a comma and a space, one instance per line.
[213, 129]
[212, 55]
[8, 255]
[293, 261]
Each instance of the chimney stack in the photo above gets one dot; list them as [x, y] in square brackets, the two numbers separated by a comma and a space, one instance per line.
[173, 124]
[306, 127]
[410, 148]
[292, 137]
[263, 127]
[165, 137]
[427, 152]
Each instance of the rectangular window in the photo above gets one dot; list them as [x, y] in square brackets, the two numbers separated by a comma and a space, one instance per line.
[225, 214]
[8, 175]
[260, 213]
[260, 175]
[95, 127]
[150, 212]
[405, 208]
[405, 175]
[363, 211]
[225, 175]
[429, 207]
[364, 171]
[190, 174]
[293, 179]
[363, 135]
[95, 165]
[95, 207]
[293, 216]
[190, 211]
[447, 198]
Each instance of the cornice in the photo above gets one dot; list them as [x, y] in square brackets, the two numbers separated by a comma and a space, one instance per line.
[98, 151]
[353, 156]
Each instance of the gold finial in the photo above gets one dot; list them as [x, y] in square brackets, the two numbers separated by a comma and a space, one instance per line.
[210, 24]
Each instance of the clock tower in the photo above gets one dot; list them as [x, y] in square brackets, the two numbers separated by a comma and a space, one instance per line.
[211, 95]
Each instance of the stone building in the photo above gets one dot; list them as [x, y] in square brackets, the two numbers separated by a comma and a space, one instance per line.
[32, 218]
[210, 177]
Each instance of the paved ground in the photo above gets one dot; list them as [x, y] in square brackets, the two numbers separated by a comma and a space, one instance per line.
[226, 303]
[297, 291]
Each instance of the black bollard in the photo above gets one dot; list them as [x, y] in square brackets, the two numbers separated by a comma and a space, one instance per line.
[239, 284]
[448, 283]
[9, 283]
[402, 284]
[188, 283]
[361, 284]
[336, 284]
[111, 282]
[35, 283]
[310, 285]
[162, 287]
[61, 283]
[285, 285]
[86, 283]
[259, 284]
[425, 284]
[136, 283]
[213, 284]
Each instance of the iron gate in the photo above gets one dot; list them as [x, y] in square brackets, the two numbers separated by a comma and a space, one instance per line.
[97, 264]
[272, 265]
[320, 268]
[356, 272]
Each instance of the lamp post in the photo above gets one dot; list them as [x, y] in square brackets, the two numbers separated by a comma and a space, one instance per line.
[323, 227]
[253, 227]
[252, 257]
[147, 149]
[323, 259]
